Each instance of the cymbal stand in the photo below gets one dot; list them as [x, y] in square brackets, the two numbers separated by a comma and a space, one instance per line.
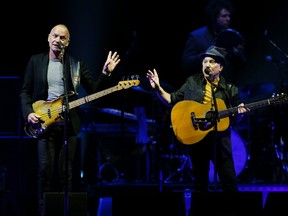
[281, 155]
[281, 158]
[185, 163]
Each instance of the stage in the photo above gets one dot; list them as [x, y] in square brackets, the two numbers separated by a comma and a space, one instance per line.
[118, 198]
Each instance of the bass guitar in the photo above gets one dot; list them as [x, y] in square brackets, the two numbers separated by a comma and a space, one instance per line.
[192, 121]
[50, 111]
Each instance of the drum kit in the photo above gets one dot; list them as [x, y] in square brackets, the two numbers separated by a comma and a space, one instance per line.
[263, 131]
[129, 127]
[181, 164]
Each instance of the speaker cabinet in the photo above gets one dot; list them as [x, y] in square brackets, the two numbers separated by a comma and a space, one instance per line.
[148, 203]
[276, 203]
[222, 203]
[54, 204]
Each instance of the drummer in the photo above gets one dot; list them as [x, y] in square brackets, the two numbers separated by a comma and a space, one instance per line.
[217, 32]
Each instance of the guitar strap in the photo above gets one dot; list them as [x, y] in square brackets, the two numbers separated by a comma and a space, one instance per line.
[75, 73]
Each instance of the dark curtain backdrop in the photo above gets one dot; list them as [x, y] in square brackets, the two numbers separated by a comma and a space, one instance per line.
[147, 34]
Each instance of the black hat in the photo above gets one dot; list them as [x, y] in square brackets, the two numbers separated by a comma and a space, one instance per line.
[216, 53]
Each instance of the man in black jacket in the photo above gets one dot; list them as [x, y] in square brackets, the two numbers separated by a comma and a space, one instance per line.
[200, 90]
[48, 76]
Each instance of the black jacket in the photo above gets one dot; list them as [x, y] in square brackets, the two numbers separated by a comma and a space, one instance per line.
[35, 86]
[194, 89]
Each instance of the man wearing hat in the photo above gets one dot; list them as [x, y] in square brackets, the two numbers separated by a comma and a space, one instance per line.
[203, 89]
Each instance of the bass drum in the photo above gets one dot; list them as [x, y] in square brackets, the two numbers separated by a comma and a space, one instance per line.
[239, 154]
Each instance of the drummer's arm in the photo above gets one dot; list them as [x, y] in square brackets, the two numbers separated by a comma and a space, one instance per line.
[239, 51]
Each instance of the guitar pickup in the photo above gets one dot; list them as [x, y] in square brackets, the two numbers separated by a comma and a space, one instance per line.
[49, 113]
[195, 125]
[196, 121]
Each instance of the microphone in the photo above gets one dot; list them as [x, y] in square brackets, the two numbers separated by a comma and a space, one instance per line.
[208, 71]
[61, 45]
[272, 60]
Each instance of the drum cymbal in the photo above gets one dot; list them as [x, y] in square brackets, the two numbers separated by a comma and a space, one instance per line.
[120, 113]
[256, 92]
[229, 38]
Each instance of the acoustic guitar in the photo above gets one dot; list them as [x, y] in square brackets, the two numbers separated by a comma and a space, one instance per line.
[192, 121]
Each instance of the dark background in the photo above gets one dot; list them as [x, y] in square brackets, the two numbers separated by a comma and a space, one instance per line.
[147, 34]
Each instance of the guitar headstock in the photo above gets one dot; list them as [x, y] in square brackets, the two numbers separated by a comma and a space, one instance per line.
[128, 83]
[278, 98]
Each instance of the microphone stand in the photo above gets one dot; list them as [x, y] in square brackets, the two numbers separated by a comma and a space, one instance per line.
[214, 120]
[65, 110]
[277, 64]
[275, 45]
